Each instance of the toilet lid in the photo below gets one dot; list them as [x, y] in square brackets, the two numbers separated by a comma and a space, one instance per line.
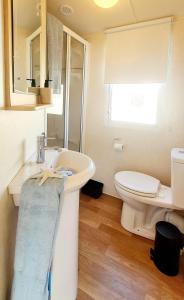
[138, 182]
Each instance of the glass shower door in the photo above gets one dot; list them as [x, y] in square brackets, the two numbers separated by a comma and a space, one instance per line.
[56, 120]
[66, 127]
[77, 52]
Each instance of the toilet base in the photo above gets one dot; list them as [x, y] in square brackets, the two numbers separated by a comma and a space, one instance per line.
[142, 220]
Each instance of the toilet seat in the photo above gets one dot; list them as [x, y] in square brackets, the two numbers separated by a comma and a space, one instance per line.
[138, 183]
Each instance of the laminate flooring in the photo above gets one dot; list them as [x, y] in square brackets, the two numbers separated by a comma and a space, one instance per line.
[115, 264]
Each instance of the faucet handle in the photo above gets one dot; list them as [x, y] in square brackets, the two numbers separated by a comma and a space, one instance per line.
[51, 138]
[45, 138]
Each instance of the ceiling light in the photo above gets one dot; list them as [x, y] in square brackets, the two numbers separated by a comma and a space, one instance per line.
[106, 3]
[66, 10]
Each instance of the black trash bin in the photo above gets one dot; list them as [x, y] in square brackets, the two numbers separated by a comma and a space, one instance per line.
[93, 189]
[166, 252]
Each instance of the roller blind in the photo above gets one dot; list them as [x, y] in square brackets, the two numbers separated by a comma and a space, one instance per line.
[138, 53]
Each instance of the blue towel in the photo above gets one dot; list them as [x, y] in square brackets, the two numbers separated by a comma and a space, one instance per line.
[37, 225]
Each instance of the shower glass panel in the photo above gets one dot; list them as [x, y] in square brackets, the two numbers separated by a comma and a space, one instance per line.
[66, 127]
[56, 121]
[75, 94]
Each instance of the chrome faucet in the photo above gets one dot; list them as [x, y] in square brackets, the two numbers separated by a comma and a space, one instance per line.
[41, 147]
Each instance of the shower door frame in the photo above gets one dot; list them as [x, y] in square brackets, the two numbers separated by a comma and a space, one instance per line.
[70, 34]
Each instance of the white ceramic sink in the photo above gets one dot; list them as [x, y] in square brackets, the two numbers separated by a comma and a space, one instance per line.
[81, 164]
[64, 278]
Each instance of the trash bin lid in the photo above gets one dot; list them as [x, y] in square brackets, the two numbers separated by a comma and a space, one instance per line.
[168, 230]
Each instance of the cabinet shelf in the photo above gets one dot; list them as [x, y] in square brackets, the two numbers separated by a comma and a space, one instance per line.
[27, 107]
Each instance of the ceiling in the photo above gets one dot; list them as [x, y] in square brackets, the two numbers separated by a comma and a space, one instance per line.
[88, 17]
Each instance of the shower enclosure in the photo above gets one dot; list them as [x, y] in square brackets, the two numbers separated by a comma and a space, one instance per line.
[65, 124]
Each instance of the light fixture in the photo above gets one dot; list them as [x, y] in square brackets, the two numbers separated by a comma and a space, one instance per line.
[106, 3]
[66, 10]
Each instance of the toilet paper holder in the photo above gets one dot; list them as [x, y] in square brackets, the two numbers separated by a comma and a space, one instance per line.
[118, 145]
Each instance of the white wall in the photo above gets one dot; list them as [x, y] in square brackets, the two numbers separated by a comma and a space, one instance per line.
[18, 131]
[147, 149]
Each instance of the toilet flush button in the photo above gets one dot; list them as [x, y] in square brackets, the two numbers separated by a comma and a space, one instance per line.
[177, 155]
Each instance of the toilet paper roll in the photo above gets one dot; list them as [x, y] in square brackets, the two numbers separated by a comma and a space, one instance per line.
[118, 147]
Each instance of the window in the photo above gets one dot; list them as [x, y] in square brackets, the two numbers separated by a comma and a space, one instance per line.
[135, 103]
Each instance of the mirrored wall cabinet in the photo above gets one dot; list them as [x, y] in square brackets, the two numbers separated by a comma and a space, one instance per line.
[25, 55]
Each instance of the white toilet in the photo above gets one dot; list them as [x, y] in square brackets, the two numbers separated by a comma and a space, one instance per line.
[147, 201]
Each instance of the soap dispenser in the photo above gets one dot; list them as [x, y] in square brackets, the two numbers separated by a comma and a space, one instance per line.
[33, 89]
[33, 82]
[46, 85]
[46, 93]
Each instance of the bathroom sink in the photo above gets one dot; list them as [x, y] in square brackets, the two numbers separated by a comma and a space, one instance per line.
[81, 165]
[64, 276]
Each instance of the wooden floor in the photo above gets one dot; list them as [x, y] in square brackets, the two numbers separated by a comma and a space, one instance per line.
[114, 264]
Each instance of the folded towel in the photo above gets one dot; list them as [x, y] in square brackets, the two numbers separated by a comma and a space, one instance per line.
[39, 211]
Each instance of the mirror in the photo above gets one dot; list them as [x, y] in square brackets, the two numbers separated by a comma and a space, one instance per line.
[26, 21]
